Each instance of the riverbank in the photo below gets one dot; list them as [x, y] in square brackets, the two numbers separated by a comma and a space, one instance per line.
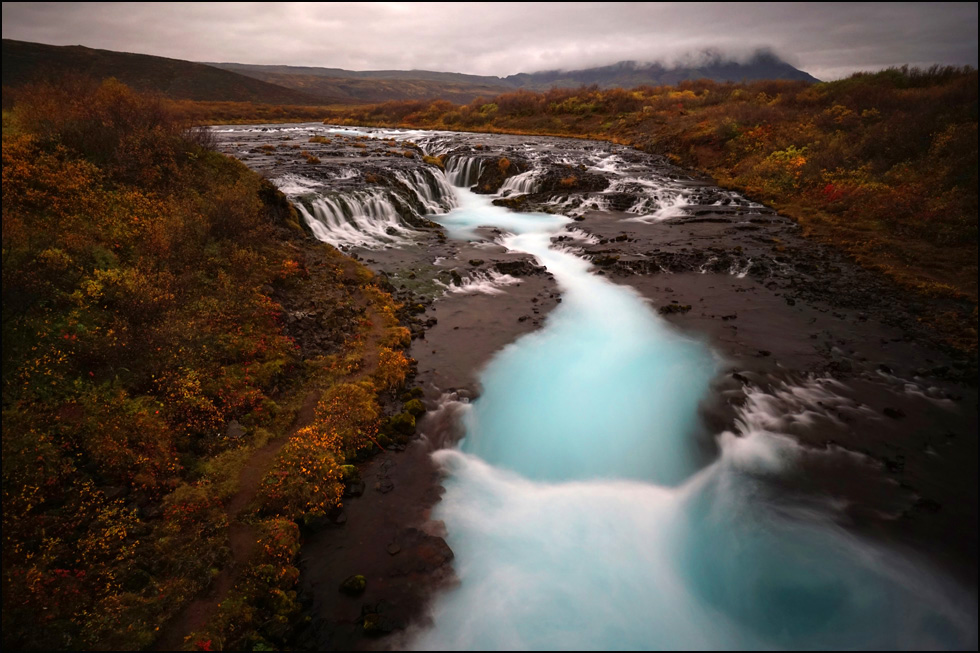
[169, 333]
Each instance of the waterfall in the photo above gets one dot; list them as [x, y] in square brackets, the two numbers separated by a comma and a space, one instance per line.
[522, 184]
[463, 170]
[372, 218]
[430, 188]
[365, 218]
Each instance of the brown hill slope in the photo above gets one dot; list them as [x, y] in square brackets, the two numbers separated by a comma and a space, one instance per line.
[28, 62]
[356, 87]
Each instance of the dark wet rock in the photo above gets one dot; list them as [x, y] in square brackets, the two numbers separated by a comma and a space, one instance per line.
[671, 309]
[354, 585]
[894, 413]
[375, 624]
[393, 548]
[384, 485]
[923, 505]
[895, 465]
[497, 170]
[571, 179]
[517, 202]
[621, 201]
[420, 552]
[522, 268]
[476, 262]
[354, 489]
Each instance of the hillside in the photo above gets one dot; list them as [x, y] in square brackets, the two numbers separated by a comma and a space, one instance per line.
[181, 80]
[359, 87]
[355, 87]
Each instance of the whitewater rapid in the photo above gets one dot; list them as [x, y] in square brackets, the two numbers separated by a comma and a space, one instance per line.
[582, 518]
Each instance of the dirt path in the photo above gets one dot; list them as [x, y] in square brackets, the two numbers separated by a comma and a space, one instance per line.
[243, 537]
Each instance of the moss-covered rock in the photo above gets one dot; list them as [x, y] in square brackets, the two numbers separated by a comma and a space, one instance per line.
[415, 407]
[376, 624]
[671, 309]
[605, 259]
[350, 473]
[434, 161]
[412, 393]
[403, 423]
[354, 585]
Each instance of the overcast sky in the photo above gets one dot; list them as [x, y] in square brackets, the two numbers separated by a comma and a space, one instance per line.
[828, 40]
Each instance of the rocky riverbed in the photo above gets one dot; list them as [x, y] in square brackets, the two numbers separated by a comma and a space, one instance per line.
[835, 356]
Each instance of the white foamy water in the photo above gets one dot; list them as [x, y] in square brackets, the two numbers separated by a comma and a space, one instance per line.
[485, 283]
[581, 520]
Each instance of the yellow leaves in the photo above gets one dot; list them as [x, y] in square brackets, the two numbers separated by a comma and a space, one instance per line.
[56, 259]
[393, 366]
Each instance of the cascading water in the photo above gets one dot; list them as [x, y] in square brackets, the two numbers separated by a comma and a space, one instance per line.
[432, 190]
[358, 218]
[463, 170]
[579, 519]
[526, 182]
[368, 218]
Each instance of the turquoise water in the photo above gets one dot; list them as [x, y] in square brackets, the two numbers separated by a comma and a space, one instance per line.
[580, 520]
[605, 390]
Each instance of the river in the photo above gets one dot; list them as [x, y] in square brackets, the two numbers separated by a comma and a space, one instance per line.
[592, 501]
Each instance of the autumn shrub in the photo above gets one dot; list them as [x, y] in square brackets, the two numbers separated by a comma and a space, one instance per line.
[393, 367]
[137, 137]
[304, 484]
[137, 325]
[262, 607]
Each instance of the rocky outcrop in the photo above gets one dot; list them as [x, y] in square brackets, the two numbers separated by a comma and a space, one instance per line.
[497, 171]
[571, 179]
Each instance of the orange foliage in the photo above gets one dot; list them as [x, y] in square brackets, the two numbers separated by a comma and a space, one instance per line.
[134, 331]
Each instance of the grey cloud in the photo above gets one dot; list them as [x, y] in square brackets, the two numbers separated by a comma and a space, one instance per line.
[829, 40]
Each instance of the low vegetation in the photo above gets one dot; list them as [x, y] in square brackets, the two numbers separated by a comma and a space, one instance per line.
[146, 362]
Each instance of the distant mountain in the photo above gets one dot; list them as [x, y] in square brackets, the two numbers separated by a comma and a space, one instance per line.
[24, 62]
[628, 74]
[353, 86]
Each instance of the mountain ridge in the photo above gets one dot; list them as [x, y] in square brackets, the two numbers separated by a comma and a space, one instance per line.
[312, 85]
